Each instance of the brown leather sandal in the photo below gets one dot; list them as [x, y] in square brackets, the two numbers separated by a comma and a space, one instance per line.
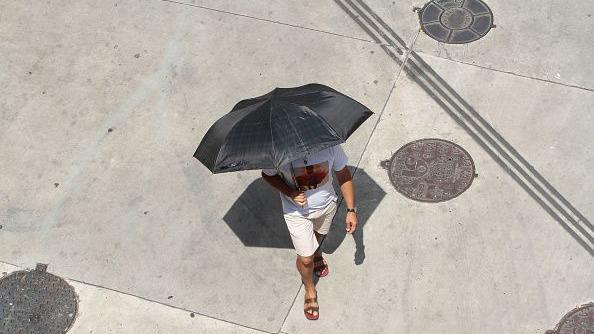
[307, 309]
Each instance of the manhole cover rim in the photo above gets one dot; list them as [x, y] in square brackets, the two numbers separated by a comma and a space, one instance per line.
[473, 16]
[569, 314]
[71, 320]
[391, 160]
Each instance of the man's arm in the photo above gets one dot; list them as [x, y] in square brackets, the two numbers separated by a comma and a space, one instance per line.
[345, 181]
[279, 184]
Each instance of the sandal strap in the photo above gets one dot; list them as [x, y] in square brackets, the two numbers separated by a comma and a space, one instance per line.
[308, 300]
[312, 308]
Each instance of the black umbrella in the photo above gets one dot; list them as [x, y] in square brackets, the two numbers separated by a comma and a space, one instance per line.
[281, 126]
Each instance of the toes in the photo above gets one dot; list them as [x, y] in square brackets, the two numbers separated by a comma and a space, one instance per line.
[312, 312]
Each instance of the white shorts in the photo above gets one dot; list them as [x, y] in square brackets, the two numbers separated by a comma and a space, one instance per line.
[301, 228]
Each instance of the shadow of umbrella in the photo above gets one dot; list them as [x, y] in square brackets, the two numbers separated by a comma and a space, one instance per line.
[256, 217]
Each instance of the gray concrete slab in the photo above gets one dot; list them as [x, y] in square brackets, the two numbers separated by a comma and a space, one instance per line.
[475, 124]
[489, 261]
[106, 311]
[548, 40]
[131, 209]
[548, 124]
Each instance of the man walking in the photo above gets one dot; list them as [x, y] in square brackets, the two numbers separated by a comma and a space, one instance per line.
[309, 204]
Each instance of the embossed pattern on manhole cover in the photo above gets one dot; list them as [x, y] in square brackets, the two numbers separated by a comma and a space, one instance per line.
[430, 170]
[578, 321]
[456, 21]
[36, 302]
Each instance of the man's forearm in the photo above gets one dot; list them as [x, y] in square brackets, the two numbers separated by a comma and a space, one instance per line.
[348, 192]
[278, 183]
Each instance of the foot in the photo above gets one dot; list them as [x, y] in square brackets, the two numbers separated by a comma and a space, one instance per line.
[311, 307]
[320, 266]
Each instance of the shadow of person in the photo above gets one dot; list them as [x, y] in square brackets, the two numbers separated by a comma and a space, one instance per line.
[256, 217]
[368, 195]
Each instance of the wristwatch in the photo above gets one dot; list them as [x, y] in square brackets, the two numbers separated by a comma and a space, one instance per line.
[352, 210]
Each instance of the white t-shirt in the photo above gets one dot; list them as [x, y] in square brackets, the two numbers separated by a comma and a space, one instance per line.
[314, 178]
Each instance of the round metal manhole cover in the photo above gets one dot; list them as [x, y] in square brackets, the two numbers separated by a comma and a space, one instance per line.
[36, 302]
[430, 170]
[456, 21]
[578, 321]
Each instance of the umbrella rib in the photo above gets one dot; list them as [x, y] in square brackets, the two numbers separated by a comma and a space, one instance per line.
[330, 128]
[294, 129]
[302, 146]
[225, 138]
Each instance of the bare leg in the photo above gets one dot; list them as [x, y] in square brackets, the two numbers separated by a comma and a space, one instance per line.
[305, 266]
[318, 251]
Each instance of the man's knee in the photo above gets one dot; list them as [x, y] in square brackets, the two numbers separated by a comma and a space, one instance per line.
[305, 260]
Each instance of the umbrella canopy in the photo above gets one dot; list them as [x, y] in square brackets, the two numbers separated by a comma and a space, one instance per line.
[281, 126]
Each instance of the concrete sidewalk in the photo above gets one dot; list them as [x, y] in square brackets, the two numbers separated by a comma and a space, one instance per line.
[107, 101]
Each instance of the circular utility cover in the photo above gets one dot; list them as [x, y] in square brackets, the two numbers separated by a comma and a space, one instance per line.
[578, 321]
[431, 170]
[456, 21]
[36, 302]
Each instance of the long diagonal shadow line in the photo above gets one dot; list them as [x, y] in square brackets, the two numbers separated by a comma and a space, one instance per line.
[573, 221]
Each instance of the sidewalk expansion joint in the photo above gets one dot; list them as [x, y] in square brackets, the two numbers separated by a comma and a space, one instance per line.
[289, 311]
[509, 159]
[265, 20]
[510, 73]
[165, 304]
